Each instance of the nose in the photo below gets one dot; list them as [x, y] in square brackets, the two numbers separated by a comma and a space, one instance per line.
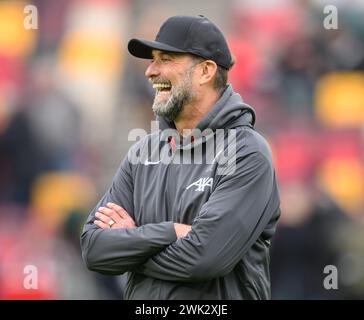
[152, 70]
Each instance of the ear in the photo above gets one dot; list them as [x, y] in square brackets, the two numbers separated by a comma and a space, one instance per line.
[208, 71]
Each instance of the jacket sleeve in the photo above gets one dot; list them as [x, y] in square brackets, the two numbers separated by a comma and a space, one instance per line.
[238, 210]
[115, 251]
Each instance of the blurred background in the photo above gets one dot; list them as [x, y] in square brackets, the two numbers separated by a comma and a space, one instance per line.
[70, 93]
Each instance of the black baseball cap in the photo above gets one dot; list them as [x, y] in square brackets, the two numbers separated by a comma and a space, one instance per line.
[186, 34]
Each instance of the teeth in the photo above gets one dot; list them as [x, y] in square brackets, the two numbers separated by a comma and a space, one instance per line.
[159, 86]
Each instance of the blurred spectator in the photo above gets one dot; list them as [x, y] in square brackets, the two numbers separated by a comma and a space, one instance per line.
[303, 246]
[41, 135]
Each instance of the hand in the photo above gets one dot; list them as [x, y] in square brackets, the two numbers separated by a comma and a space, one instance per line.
[113, 212]
[181, 229]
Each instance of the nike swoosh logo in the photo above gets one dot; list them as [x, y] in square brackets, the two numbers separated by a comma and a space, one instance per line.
[148, 163]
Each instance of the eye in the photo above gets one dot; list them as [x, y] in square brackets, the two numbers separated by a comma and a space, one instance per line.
[165, 58]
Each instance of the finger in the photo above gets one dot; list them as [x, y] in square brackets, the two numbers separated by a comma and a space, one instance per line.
[110, 213]
[103, 218]
[121, 212]
[101, 224]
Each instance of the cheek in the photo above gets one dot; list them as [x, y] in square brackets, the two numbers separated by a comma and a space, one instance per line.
[194, 84]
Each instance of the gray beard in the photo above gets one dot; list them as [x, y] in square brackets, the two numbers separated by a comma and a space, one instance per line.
[171, 109]
[180, 96]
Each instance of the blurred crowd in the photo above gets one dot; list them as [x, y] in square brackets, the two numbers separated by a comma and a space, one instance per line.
[70, 94]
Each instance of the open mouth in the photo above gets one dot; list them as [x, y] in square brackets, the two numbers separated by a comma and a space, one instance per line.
[162, 87]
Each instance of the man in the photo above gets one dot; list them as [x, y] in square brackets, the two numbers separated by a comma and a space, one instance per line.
[199, 230]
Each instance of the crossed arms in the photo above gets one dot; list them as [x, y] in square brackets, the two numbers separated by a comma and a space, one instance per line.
[239, 209]
[122, 220]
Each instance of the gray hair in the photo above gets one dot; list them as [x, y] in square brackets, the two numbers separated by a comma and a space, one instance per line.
[221, 76]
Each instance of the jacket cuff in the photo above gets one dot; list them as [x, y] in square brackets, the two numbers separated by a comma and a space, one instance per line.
[171, 232]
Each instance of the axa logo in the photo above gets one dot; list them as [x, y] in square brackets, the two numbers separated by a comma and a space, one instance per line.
[201, 183]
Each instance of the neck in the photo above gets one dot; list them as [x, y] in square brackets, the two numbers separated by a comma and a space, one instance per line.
[194, 112]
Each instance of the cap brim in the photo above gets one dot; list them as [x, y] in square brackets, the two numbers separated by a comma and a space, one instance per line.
[143, 48]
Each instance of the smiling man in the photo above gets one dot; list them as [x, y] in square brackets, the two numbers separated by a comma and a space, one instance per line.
[200, 230]
[179, 96]
[170, 99]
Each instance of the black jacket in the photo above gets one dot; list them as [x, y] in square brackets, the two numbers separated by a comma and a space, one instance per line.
[233, 208]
